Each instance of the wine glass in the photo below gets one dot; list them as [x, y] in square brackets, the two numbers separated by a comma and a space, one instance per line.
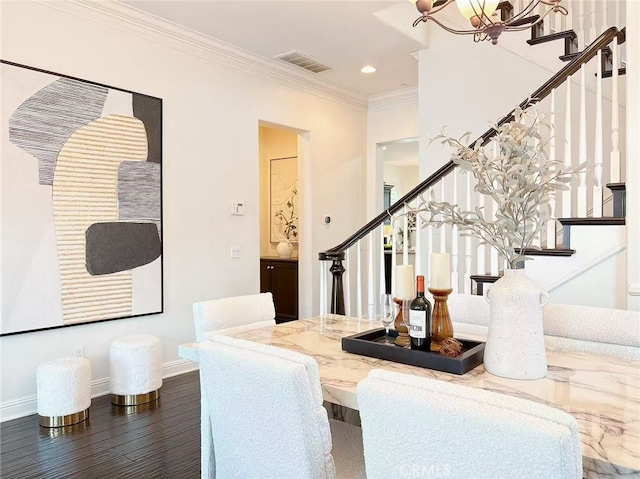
[406, 303]
[386, 314]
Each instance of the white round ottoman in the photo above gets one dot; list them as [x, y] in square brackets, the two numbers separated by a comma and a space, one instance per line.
[135, 369]
[63, 391]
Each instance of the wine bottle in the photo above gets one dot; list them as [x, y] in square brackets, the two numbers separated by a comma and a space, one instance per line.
[420, 319]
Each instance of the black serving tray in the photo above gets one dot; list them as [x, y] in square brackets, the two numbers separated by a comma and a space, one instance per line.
[371, 343]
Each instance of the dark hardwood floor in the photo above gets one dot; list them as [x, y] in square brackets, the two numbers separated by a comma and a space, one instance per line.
[148, 441]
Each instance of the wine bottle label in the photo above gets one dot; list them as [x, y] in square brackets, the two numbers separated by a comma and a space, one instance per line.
[418, 324]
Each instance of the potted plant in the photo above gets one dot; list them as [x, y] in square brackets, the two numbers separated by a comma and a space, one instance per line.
[521, 179]
[289, 226]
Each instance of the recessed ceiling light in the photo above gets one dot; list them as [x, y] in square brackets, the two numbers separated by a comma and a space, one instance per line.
[368, 69]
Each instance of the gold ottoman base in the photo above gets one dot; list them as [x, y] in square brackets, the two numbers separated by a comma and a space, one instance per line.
[68, 420]
[134, 399]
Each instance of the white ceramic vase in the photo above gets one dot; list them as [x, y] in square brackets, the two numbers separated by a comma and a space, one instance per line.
[515, 341]
[284, 249]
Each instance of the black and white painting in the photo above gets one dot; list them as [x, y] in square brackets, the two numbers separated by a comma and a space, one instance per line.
[81, 201]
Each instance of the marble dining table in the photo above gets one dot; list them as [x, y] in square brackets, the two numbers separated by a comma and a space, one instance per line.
[601, 392]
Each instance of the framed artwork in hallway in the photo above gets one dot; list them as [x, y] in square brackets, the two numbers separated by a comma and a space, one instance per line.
[81, 201]
[284, 199]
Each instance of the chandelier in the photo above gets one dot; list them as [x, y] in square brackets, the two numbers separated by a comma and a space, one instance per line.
[489, 18]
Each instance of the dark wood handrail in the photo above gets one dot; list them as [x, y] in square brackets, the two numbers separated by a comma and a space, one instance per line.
[555, 81]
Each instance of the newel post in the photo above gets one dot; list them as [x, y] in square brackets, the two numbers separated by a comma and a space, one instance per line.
[337, 288]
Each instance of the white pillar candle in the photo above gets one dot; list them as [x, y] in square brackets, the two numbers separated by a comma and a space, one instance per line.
[405, 282]
[440, 271]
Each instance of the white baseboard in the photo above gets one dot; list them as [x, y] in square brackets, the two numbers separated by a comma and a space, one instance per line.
[99, 387]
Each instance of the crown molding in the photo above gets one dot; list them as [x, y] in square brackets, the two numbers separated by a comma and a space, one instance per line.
[396, 97]
[168, 34]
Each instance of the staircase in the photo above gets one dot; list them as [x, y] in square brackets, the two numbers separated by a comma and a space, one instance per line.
[584, 103]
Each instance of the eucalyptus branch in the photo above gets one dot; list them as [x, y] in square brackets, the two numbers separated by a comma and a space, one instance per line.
[520, 178]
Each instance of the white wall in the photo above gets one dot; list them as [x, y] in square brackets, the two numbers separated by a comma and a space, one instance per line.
[390, 117]
[212, 107]
[404, 178]
[464, 86]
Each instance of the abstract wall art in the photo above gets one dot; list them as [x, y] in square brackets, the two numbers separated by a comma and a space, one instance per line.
[80, 201]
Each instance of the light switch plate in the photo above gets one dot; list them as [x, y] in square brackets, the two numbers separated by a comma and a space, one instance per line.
[235, 252]
[237, 208]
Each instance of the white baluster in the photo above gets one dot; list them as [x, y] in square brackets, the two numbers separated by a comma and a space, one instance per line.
[593, 30]
[604, 16]
[382, 274]
[556, 22]
[467, 240]
[359, 279]
[454, 239]
[566, 195]
[537, 241]
[493, 254]
[544, 26]
[582, 30]
[598, 157]
[443, 244]
[405, 236]
[582, 145]
[551, 224]
[429, 247]
[347, 284]
[394, 257]
[371, 301]
[615, 114]
[620, 16]
[568, 19]
[482, 265]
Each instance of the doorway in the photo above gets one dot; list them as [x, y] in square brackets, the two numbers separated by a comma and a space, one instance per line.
[280, 208]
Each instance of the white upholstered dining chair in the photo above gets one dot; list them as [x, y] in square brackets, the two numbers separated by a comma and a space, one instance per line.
[233, 315]
[226, 316]
[611, 332]
[448, 430]
[267, 416]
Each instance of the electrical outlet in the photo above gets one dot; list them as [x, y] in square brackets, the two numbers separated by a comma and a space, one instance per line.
[78, 351]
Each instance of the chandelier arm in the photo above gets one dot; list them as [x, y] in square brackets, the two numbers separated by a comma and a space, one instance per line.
[481, 13]
[487, 22]
[435, 10]
[449, 29]
[526, 11]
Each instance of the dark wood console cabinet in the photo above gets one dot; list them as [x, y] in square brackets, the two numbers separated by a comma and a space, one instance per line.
[280, 277]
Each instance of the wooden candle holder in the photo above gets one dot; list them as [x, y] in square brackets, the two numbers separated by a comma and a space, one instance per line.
[441, 326]
[402, 339]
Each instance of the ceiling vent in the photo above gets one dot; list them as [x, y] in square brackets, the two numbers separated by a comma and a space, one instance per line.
[303, 60]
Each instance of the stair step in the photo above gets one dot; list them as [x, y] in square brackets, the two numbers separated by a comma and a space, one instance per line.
[607, 221]
[609, 73]
[549, 252]
[569, 36]
[567, 223]
[619, 191]
[569, 57]
[480, 280]
[525, 21]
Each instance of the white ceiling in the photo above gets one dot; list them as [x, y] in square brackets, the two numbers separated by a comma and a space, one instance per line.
[345, 34]
[401, 152]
